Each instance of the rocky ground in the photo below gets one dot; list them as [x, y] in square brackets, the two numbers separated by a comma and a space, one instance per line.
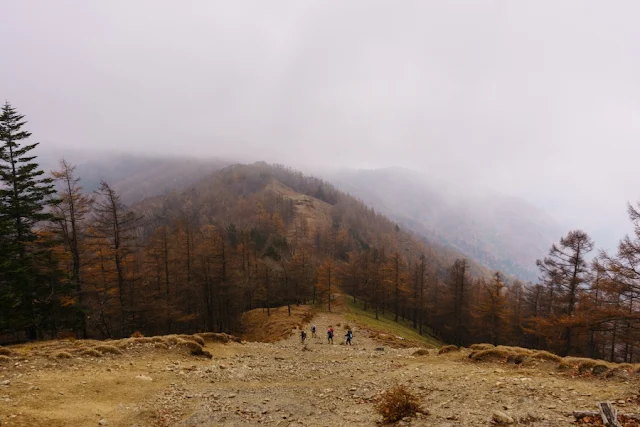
[288, 384]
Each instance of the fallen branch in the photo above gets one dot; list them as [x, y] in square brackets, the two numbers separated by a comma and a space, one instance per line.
[607, 413]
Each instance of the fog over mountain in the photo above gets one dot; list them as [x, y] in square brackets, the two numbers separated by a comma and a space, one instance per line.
[538, 100]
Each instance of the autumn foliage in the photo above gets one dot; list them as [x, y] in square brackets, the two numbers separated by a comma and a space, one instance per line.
[74, 262]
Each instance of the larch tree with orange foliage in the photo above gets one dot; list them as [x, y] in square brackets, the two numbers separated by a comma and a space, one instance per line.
[566, 268]
[71, 214]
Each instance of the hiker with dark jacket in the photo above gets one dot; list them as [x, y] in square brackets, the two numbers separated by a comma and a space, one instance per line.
[303, 336]
[349, 337]
[330, 335]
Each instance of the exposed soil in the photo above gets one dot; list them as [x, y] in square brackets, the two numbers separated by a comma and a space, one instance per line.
[288, 384]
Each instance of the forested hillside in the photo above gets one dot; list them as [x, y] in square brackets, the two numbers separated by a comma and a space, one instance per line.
[259, 236]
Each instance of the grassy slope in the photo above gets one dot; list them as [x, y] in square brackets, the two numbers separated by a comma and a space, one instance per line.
[386, 325]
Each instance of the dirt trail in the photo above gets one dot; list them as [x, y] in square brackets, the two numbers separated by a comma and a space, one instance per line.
[284, 384]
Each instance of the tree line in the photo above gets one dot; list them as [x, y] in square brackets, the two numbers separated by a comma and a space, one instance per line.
[263, 236]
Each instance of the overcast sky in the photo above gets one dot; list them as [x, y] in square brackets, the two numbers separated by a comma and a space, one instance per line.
[539, 99]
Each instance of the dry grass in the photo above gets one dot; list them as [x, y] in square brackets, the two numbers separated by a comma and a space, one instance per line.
[257, 326]
[580, 365]
[107, 349]
[219, 337]
[161, 346]
[5, 359]
[195, 338]
[194, 348]
[91, 352]
[545, 355]
[5, 351]
[481, 346]
[397, 403]
[63, 355]
[171, 339]
[448, 349]
[421, 352]
[599, 369]
[490, 354]
[517, 359]
[124, 343]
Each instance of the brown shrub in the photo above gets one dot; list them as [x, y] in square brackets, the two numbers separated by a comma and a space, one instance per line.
[481, 346]
[347, 327]
[490, 354]
[63, 355]
[161, 345]
[143, 340]
[4, 359]
[107, 349]
[397, 403]
[448, 349]
[4, 351]
[137, 334]
[157, 339]
[421, 352]
[91, 352]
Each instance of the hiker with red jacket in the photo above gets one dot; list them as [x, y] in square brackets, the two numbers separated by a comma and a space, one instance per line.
[330, 335]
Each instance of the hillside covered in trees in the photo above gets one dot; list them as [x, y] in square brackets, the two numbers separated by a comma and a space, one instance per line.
[251, 236]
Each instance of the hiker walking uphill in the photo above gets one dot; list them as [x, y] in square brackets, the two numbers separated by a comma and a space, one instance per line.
[349, 337]
[313, 331]
[303, 336]
[330, 335]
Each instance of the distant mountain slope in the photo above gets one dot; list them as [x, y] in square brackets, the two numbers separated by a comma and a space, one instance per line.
[222, 196]
[499, 231]
[466, 226]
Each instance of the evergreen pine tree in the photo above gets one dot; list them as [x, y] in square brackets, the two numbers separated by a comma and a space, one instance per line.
[24, 195]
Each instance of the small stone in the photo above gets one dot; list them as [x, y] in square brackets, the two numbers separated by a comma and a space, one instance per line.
[501, 418]
[5, 382]
[103, 422]
[144, 378]
[231, 396]
[379, 348]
